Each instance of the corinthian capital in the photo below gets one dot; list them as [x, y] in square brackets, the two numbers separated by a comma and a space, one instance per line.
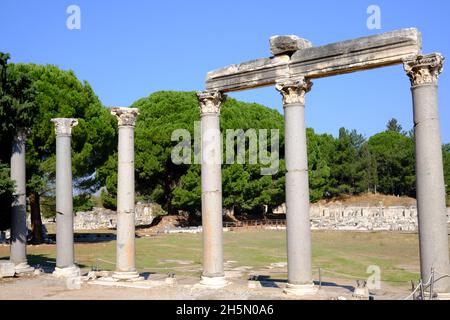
[424, 69]
[294, 90]
[125, 116]
[210, 101]
[63, 126]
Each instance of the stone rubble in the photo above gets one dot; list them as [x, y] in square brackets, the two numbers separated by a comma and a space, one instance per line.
[363, 218]
[100, 218]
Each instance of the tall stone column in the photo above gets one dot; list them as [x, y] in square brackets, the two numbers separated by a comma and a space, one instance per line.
[297, 187]
[19, 230]
[423, 72]
[126, 253]
[211, 166]
[65, 266]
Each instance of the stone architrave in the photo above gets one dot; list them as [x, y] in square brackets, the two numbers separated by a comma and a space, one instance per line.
[126, 252]
[65, 257]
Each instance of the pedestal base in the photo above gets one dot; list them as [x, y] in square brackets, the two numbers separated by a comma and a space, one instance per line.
[126, 276]
[23, 268]
[68, 272]
[300, 289]
[213, 282]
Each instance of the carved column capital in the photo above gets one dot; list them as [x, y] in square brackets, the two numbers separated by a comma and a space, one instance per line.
[294, 90]
[63, 126]
[210, 101]
[125, 116]
[423, 70]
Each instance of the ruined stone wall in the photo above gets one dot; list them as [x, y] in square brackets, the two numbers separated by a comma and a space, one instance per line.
[100, 218]
[362, 217]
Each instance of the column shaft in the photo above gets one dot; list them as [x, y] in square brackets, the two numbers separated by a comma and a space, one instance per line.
[65, 265]
[125, 202]
[125, 248]
[430, 189]
[297, 197]
[64, 203]
[19, 230]
[298, 228]
[211, 184]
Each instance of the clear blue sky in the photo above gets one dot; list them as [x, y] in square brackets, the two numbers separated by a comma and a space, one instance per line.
[129, 49]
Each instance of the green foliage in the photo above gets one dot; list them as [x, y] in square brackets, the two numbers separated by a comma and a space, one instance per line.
[61, 94]
[346, 172]
[446, 160]
[83, 202]
[320, 153]
[48, 207]
[394, 126]
[394, 155]
[6, 196]
[177, 187]
[17, 108]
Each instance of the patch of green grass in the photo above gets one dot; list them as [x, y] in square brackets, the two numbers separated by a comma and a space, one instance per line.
[345, 255]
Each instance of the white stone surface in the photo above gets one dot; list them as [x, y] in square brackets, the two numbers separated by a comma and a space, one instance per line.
[69, 272]
[213, 282]
[300, 290]
[6, 269]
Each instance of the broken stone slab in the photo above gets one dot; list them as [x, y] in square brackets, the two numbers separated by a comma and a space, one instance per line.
[287, 44]
[6, 269]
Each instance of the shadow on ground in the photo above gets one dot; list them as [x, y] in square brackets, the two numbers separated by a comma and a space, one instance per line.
[268, 282]
[44, 262]
[90, 237]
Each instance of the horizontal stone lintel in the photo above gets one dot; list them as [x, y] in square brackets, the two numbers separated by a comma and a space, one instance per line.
[246, 75]
[381, 50]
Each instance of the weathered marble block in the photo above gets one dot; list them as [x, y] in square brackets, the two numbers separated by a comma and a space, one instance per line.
[287, 44]
[6, 269]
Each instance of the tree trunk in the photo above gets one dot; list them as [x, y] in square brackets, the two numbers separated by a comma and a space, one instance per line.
[36, 221]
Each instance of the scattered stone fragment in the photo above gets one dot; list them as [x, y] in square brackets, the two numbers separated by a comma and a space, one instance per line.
[6, 269]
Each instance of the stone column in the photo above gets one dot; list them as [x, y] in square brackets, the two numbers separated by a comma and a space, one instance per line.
[211, 146]
[126, 253]
[65, 266]
[19, 230]
[423, 72]
[297, 187]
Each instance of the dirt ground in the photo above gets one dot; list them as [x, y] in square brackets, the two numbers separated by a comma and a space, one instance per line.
[154, 286]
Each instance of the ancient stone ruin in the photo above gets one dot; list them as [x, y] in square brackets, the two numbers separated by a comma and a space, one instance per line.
[295, 63]
[293, 66]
